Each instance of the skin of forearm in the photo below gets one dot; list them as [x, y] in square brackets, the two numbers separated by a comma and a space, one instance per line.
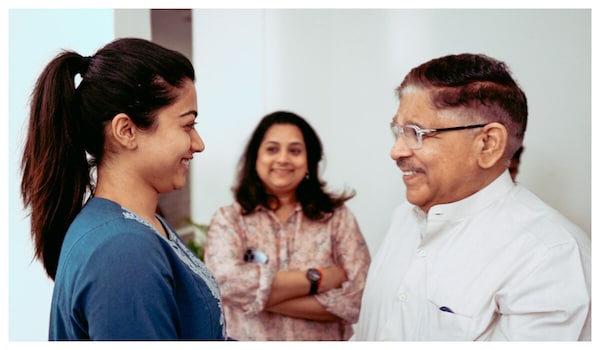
[294, 284]
[288, 285]
[306, 307]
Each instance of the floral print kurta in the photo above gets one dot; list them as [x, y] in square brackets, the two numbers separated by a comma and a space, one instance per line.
[298, 244]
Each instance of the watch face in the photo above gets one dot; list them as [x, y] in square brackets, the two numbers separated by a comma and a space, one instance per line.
[313, 275]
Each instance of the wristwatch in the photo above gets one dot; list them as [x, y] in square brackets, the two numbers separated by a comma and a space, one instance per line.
[314, 276]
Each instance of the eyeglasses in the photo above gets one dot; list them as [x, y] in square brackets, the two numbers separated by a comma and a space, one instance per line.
[413, 135]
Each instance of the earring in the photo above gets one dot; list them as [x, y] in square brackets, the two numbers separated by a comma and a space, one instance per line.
[307, 176]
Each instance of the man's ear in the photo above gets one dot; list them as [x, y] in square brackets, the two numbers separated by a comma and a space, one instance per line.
[492, 142]
[124, 131]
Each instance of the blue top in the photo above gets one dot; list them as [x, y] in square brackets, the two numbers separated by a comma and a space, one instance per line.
[119, 279]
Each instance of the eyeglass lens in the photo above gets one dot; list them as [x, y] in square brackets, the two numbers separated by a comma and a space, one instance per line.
[409, 135]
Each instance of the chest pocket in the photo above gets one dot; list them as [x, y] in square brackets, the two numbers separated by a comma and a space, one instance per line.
[453, 316]
[447, 320]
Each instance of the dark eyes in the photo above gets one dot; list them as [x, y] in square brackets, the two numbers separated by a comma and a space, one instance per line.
[273, 150]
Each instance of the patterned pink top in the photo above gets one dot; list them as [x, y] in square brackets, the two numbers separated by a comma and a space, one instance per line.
[298, 244]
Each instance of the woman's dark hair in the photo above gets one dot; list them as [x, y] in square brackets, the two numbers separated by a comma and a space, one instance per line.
[250, 190]
[65, 138]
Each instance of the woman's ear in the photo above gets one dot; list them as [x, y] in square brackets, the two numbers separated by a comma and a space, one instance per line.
[493, 141]
[124, 131]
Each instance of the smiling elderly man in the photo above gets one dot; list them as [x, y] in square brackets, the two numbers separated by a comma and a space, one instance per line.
[472, 255]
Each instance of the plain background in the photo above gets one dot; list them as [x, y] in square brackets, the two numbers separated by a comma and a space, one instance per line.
[336, 67]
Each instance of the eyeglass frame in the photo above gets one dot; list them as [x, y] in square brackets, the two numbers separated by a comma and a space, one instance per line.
[421, 132]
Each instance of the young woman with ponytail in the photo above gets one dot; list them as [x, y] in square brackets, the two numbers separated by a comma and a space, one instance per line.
[107, 134]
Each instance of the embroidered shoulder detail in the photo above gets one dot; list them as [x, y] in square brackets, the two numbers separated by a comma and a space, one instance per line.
[132, 216]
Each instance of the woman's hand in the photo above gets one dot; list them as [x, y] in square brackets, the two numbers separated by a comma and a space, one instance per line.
[332, 278]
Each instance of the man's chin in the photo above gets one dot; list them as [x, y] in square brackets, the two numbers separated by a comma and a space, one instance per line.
[416, 200]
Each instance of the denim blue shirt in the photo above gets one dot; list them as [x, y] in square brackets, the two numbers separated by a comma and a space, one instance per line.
[118, 279]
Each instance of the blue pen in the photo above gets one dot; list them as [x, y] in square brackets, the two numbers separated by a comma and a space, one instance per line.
[446, 309]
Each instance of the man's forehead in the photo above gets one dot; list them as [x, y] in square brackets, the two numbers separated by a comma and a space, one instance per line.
[414, 107]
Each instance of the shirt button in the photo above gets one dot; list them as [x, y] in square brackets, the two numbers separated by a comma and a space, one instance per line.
[421, 252]
[402, 297]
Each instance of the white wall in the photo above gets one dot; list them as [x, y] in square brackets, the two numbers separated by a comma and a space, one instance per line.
[29, 50]
[338, 68]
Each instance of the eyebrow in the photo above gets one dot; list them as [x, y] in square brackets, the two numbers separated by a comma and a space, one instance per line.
[291, 143]
[192, 112]
[408, 122]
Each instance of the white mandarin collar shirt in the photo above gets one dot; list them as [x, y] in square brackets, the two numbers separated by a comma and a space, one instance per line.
[498, 265]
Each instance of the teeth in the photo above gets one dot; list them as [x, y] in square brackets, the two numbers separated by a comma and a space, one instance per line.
[186, 161]
[409, 173]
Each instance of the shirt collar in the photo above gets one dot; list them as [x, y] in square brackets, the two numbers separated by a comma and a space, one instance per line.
[472, 204]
